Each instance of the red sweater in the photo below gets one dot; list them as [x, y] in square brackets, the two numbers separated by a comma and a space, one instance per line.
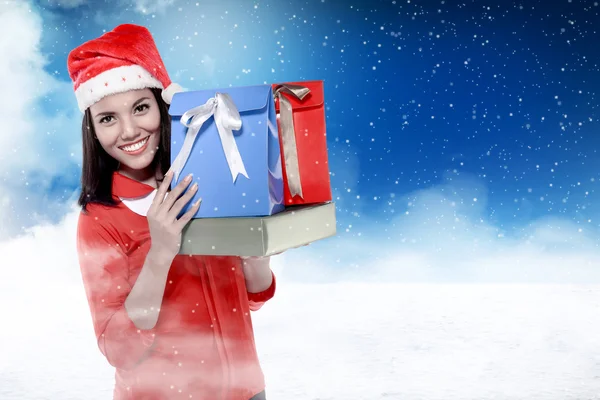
[202, 346]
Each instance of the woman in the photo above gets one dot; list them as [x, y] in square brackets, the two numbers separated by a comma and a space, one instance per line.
[173, 326]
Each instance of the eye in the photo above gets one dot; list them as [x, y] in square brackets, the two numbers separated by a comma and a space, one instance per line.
[104, 119]
[142, 107]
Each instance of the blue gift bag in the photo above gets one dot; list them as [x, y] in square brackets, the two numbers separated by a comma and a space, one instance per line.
[228, 139]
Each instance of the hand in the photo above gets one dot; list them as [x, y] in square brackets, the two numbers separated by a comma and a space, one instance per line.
[165, 228]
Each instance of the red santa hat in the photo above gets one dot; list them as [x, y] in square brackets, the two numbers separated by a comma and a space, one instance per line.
[123, 59]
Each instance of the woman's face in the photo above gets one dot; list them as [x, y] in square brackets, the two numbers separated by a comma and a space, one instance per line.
[127, 126]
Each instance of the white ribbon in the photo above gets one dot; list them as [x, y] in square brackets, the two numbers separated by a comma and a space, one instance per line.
[227, 119]
[288, 134]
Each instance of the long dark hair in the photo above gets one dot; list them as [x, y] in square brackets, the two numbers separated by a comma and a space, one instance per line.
[98, 166]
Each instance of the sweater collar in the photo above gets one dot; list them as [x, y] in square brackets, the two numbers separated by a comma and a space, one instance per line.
[123, 186]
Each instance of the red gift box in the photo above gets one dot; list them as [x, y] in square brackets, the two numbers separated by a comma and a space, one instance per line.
[303, 142]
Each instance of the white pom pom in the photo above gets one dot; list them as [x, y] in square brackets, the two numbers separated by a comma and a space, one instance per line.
[167, 94]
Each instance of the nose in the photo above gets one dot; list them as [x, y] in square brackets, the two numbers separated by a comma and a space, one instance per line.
[129, 129]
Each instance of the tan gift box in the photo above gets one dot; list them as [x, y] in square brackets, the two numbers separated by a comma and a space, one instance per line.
[259, 236]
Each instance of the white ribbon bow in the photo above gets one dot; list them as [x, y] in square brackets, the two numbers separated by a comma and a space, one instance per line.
[227, 119]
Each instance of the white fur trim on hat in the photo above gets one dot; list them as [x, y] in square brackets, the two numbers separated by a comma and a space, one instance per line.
[167, 94]
[116, 80]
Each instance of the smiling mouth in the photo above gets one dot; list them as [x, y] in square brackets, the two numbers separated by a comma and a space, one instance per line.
[136, 146]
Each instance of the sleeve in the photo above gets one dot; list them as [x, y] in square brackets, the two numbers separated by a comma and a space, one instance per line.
[104, 269]
[257, 300]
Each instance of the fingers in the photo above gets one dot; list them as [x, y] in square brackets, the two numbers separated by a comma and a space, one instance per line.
[162, 191]
[181, 202]
[185, 218]
[166, 205]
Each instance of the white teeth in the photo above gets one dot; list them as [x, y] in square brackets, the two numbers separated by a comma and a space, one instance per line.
[136, 146]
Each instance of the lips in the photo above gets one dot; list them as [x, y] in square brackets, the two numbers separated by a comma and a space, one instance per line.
[135, 146]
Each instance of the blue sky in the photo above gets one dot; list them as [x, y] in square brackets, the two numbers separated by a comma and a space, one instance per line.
[442, 116]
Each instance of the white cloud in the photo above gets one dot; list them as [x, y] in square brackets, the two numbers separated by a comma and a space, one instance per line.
[140, 6]
[209, 65]
[20, 76]
[446, 237]
[38, 146]
[67, 4]
[152, 6]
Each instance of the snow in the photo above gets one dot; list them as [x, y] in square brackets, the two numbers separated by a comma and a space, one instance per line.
[339, 340]
[356, 337]
[352, 341]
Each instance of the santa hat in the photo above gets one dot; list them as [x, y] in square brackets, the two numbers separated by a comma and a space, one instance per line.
[123, 59]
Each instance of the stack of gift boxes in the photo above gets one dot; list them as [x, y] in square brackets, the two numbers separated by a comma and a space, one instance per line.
[259, 156]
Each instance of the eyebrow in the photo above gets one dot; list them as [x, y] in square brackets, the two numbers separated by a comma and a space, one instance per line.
[137, 102]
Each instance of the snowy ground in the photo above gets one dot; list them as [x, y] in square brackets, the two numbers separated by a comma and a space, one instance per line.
[334, 341]
[346, 341]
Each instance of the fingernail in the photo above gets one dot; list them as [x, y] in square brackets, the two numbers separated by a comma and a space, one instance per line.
[188, 178]
[197, 203]
[194, 186]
